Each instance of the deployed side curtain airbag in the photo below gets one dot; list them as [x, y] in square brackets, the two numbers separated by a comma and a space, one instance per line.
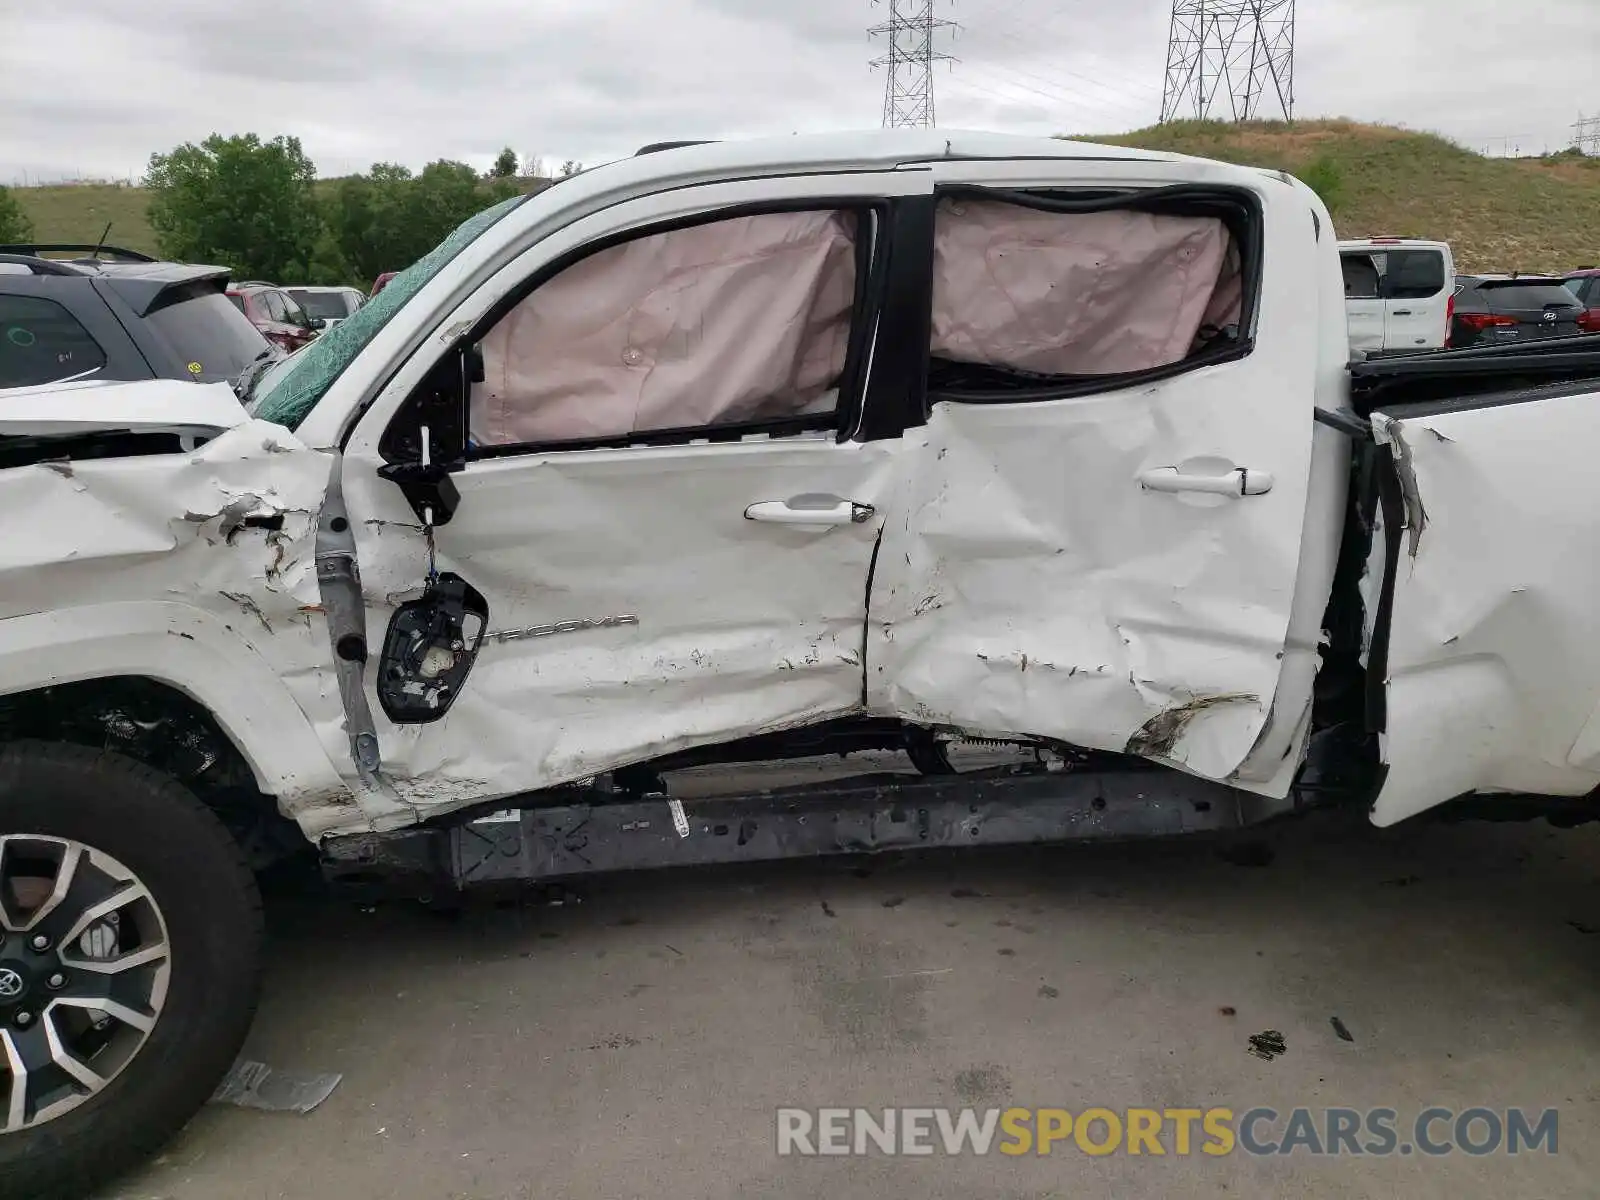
[745, 319]
[1093, 293]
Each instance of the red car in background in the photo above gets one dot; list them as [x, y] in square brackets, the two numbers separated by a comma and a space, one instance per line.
[276, 314]
[1584, 283]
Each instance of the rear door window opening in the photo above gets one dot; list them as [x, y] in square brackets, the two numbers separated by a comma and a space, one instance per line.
[1363, 279]
[1048, 294]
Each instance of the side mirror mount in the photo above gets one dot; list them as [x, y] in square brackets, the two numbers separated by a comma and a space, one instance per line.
[427, 441]
[428, 488]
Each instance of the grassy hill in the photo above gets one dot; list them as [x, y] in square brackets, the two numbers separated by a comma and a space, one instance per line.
[79, 212]
[1528, 214]
[1499, 214]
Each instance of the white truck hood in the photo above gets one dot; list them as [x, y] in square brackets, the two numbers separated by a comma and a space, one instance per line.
[148, 406]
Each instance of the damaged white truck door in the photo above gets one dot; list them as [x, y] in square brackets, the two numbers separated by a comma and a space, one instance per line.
[1494, 647]
[671, 537]
[1110, 556]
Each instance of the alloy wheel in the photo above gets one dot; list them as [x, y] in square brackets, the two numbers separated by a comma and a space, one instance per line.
[84, 968]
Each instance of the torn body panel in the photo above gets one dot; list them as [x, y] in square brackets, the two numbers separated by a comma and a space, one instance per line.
[634, 609]
[1109, 570]
[1028, 586]
[190, 567]
[1494, 653]
[1013, 597]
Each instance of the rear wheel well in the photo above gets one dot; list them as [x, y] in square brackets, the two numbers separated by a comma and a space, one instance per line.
[156, 724]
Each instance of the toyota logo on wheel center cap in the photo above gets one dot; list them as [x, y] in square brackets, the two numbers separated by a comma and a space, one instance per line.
[11, 984]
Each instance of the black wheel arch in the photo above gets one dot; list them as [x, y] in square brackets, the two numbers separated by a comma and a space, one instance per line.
[159, 725]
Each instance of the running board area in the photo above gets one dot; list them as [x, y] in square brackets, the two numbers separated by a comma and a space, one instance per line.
[547, 839]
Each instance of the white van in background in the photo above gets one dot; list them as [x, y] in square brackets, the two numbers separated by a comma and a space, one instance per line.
[1399, 294]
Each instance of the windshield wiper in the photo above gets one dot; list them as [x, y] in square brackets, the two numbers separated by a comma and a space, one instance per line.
[244, 386]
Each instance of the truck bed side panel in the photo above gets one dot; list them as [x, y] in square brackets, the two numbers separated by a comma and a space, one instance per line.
[1494, 659]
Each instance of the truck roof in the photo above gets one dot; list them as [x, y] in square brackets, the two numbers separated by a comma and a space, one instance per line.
[872, 148]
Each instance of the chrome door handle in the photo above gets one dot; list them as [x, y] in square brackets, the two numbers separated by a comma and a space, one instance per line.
[818, 512]
[1241, 482]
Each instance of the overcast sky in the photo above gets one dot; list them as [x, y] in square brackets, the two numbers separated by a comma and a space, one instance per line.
[92, 87]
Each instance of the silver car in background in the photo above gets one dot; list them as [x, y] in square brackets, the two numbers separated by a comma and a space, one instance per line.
[332, 304]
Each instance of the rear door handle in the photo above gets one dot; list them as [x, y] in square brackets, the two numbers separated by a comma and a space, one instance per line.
[817, 512]
[1240, 482]
[1402, 312]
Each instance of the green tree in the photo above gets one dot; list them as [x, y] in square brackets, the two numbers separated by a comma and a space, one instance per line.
[570, 168]
[327, 266]
[445, 194]
[496, 190]
[237, 201]
[505, 166]
[387, 219]
[367, 216]
[14, 223]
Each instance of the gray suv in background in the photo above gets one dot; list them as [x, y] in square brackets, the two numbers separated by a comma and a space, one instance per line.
[115, 314]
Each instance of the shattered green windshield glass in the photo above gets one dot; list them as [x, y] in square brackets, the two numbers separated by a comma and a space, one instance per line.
[293, 389]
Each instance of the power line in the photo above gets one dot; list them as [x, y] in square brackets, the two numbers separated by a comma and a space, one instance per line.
[1050, 91]
[1047, 86]
[985, 21]
[1122, 102]
[1229, 56]
[908, 89]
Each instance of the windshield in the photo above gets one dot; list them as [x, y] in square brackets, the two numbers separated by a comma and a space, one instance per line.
[291, 390]
[323, 304]
[209, 336]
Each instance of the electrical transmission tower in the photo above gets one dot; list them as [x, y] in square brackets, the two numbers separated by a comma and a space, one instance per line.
[1230, 58]
[908, 90]
[1586, 134]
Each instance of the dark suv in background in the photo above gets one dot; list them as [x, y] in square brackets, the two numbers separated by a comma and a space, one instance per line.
[1493, 309]
[117, 314]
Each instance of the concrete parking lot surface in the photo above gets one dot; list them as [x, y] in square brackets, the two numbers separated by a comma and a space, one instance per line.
[637, 1042]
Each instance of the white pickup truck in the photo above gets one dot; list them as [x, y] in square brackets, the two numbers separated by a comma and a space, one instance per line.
[737, 454]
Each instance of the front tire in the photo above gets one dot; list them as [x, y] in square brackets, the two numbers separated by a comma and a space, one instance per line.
[130, 950]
